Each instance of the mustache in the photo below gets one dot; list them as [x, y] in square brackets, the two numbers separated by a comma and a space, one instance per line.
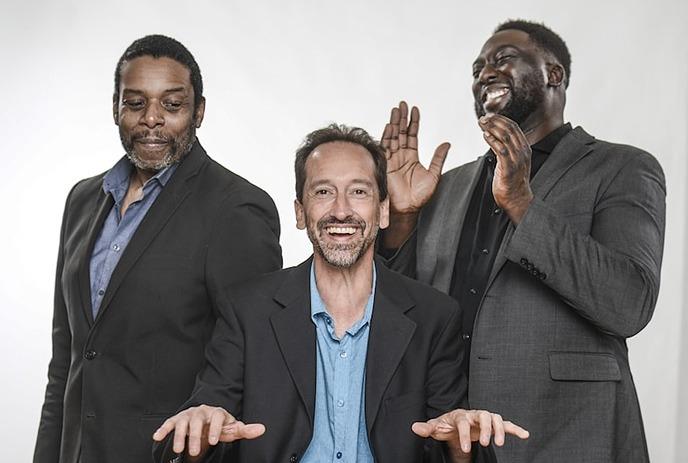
[148, 134]
[348, 220]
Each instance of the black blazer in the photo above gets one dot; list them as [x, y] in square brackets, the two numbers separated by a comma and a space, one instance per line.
[113, 380]
[262, 366]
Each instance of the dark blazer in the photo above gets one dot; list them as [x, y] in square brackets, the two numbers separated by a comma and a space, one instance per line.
[113, 380]
[262, 366]
[578, 276]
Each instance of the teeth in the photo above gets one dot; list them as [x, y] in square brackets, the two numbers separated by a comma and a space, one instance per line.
[341, 230]
[492, 94]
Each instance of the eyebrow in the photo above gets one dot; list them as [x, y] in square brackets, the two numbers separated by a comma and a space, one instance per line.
[354, 181]
[481, 60]
[169, 90]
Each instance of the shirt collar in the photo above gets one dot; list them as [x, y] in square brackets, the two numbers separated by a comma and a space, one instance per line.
[116, 180]
[318, 308]
[552, 139]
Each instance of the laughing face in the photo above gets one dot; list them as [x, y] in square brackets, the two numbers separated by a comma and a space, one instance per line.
[341, 208]
[155, 112]
[509, 77]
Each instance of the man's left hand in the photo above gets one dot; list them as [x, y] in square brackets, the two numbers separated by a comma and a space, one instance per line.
[511, 182]
[459, 428]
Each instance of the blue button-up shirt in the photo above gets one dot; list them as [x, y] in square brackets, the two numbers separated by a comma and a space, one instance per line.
[339, 432]
[117, 230]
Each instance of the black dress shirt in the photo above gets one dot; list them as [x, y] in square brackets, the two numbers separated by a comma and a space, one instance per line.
[482, 233]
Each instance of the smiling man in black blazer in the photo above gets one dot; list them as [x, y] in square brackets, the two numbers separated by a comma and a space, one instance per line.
[337, 359]
[144, 251]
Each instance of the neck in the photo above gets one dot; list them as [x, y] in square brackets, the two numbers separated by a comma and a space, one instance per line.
[345, 291]
[537, 126]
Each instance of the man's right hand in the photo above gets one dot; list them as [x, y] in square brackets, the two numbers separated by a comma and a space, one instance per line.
[410, 185]
[205, 426]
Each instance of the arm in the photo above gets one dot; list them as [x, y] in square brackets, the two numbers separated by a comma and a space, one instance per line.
[244, 241]
[610, 276]
[50, 428]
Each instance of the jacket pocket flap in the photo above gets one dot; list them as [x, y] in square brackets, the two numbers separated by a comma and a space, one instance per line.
[583, 366]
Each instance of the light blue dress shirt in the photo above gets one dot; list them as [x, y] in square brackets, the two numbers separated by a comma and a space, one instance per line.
[117, 230]
[339, 432]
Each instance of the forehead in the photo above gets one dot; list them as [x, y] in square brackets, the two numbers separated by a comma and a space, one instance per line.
[506, 38]
[147, 71]
[339, 160]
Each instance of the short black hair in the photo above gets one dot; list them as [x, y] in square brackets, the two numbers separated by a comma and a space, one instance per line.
[161, 46]
[545, 38]
[341, 133]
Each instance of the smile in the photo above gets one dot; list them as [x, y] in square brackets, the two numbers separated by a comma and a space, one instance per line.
[493, 94]
[339, 230]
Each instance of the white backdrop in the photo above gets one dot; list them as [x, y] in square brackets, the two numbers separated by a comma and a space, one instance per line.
[274, 71]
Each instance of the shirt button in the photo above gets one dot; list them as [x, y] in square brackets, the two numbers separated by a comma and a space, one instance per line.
[473, 291]
[466, 337]
[293, 458]
[339, 455]
[329, 320]
[497, 211]
[343, 354]
[90, 354]
[485, 251]
[340, 403]
[115, 247]
[101, 292]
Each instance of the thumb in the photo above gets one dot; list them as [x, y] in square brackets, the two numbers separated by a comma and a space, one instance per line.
[438, 159]
[251, 431]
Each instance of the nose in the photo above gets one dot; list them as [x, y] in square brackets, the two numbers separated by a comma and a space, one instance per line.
[487, 74]
[342, 207]
[152, 115]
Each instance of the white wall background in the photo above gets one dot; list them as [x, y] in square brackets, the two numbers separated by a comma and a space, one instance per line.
[276, 70]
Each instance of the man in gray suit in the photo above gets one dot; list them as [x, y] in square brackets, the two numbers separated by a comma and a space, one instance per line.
[552, 244]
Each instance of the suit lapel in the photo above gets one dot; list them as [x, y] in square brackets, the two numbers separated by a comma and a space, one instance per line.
[104, 203]
[295, 333]
[170, 198]
[439, 243]
[572, 148]
[390, 333]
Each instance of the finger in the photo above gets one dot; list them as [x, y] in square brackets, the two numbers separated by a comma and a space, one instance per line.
[164, 429]
[252, 430]
[438, 159]
[180, 431]
[217, 419]
[395, 116]
[386, 137]
[497, 146]
[238, 430]
[515, 430]
[403, 123]
[394, 145]
[195, 432]
[498, 429]
[464, 429]
[485, 421]
[422, 429]
[509, 134]
[414, 125]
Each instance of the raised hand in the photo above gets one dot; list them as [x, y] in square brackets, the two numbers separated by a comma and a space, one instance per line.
[459, 428]
[511, 183]
[410, 185]
[205, 426]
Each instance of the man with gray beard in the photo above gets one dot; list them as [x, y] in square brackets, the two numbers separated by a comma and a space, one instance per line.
[339, 358]
[145, 249]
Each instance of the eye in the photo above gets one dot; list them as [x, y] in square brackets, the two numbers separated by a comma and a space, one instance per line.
[134, 103]
[172, 105]
[321, 192]
[360, 192]
[503, 59]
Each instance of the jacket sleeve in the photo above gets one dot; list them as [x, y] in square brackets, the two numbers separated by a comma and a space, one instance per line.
[244, 241]
[402, 260]
[610, 276]
[47, 449]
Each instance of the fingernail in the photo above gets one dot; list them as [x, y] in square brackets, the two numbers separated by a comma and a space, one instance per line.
[466, 448]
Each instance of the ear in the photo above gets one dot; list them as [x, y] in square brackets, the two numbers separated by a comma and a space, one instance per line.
[115, 108]
[198, 114]
[384, 213]
[555, 74]
[300, 216]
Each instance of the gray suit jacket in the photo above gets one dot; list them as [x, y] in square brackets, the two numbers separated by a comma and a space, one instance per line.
[578, 276]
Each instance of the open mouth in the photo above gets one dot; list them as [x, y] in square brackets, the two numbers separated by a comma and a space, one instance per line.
[340, 230]
[151, 143]
[493, 95]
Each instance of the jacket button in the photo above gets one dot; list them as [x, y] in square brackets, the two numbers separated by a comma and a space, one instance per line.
[466, 336]
[90, 354]
[293, 458]
[542, 276]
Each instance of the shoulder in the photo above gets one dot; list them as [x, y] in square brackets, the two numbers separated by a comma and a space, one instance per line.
[259, 292]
